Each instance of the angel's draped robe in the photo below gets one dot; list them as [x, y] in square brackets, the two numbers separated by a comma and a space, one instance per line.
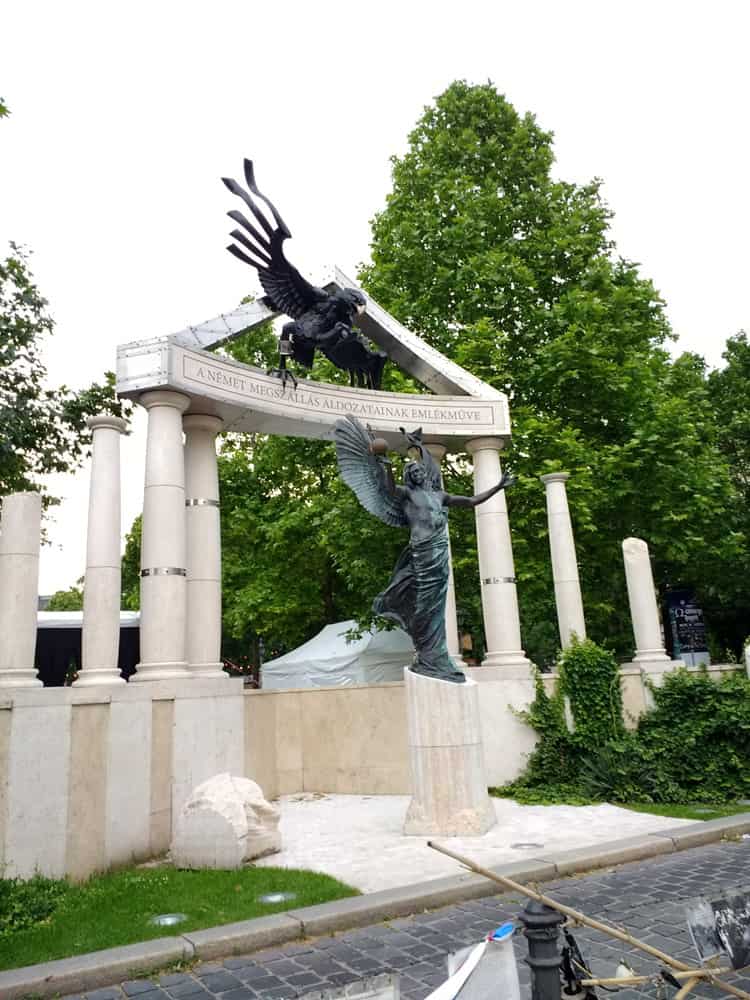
[415, 599]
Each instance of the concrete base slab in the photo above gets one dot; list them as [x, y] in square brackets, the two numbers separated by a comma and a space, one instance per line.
[359, 839]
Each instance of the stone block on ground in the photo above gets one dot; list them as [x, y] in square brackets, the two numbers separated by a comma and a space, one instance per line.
[225, 822]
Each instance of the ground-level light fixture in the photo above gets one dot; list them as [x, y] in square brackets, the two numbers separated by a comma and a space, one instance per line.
[168, 919]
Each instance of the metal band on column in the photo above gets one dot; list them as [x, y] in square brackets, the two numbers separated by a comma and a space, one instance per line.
[163, 571]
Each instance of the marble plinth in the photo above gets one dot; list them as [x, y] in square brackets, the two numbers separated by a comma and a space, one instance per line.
[449, 790]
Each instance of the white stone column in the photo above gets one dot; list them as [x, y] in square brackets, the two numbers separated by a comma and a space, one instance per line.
[649, 646]
[163, 556]
[502, 628]
[568, 600]
[203, 546]
[100, 639]
[451, 617]
[19, 588]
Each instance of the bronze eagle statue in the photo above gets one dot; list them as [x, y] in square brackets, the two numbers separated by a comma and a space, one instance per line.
[320, 321]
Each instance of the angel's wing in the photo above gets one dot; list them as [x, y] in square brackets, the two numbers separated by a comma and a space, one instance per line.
[362, 473]
[285, 288]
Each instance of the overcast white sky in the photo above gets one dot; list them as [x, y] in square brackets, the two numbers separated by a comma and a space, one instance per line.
[125, 116]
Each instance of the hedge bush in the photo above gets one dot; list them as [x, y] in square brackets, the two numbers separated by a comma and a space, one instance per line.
[693, 745]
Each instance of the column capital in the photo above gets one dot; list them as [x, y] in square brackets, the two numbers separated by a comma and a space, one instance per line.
[202, 422]
[555, 477]
[484, 444]
[164, 397]
[108, 420]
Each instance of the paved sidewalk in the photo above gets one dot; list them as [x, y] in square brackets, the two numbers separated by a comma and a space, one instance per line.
[646, 897]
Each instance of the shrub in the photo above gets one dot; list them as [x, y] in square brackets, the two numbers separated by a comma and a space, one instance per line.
[25, 904]
[693, 745]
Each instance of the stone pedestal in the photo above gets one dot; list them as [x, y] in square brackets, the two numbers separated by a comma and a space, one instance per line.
[568, 600]
[19, 588]
[203, 546]
[449, 790]
[163, 557]
[100, 640]
[502, 627]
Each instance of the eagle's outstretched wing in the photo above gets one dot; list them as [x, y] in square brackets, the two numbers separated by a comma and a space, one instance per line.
[363, 473]
[286, 290]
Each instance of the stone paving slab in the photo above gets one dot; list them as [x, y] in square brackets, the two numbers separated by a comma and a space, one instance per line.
[648, 897]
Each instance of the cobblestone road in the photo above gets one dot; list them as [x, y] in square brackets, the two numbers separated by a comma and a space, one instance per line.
[648, 898]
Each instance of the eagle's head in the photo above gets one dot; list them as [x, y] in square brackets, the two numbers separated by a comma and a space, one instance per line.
[354, 299]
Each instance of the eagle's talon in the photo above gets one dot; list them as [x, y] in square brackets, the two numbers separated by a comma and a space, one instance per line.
[284, 374]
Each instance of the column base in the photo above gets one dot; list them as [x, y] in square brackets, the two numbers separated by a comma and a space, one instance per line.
[207, 670]
[92, 676]
[449, 790]
[160, 672]
[12, 678]
[644, 657]
[506, 658]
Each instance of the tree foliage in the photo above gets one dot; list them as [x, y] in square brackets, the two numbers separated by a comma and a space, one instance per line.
[66, 600]
[513, 274]
[42, 430]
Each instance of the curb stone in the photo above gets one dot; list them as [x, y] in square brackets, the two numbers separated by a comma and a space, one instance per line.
[82, 973]
[98, 968]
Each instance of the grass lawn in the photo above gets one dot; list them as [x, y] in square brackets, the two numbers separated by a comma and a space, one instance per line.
[693, 811]
[115, 909]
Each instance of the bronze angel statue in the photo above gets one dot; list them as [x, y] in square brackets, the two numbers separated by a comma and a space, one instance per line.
[415, 596]
[320, 321]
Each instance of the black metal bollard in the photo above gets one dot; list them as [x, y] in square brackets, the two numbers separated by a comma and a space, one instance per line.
[542, 930]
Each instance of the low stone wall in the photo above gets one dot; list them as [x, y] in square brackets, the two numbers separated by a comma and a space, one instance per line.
[94, 778]
[91, 778]
[350, 740]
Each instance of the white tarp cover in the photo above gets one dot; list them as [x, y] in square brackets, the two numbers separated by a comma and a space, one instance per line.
[328, 660]
[74, 619]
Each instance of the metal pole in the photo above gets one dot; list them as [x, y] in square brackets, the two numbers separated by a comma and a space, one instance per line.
[542, 930]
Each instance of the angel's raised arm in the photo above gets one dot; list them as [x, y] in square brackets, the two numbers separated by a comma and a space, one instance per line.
[450, 500]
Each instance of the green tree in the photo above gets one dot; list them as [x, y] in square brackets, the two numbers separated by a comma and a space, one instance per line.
[131, 568]
[66, 600]
[42, 430]
[728, 597]
[514, 275]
